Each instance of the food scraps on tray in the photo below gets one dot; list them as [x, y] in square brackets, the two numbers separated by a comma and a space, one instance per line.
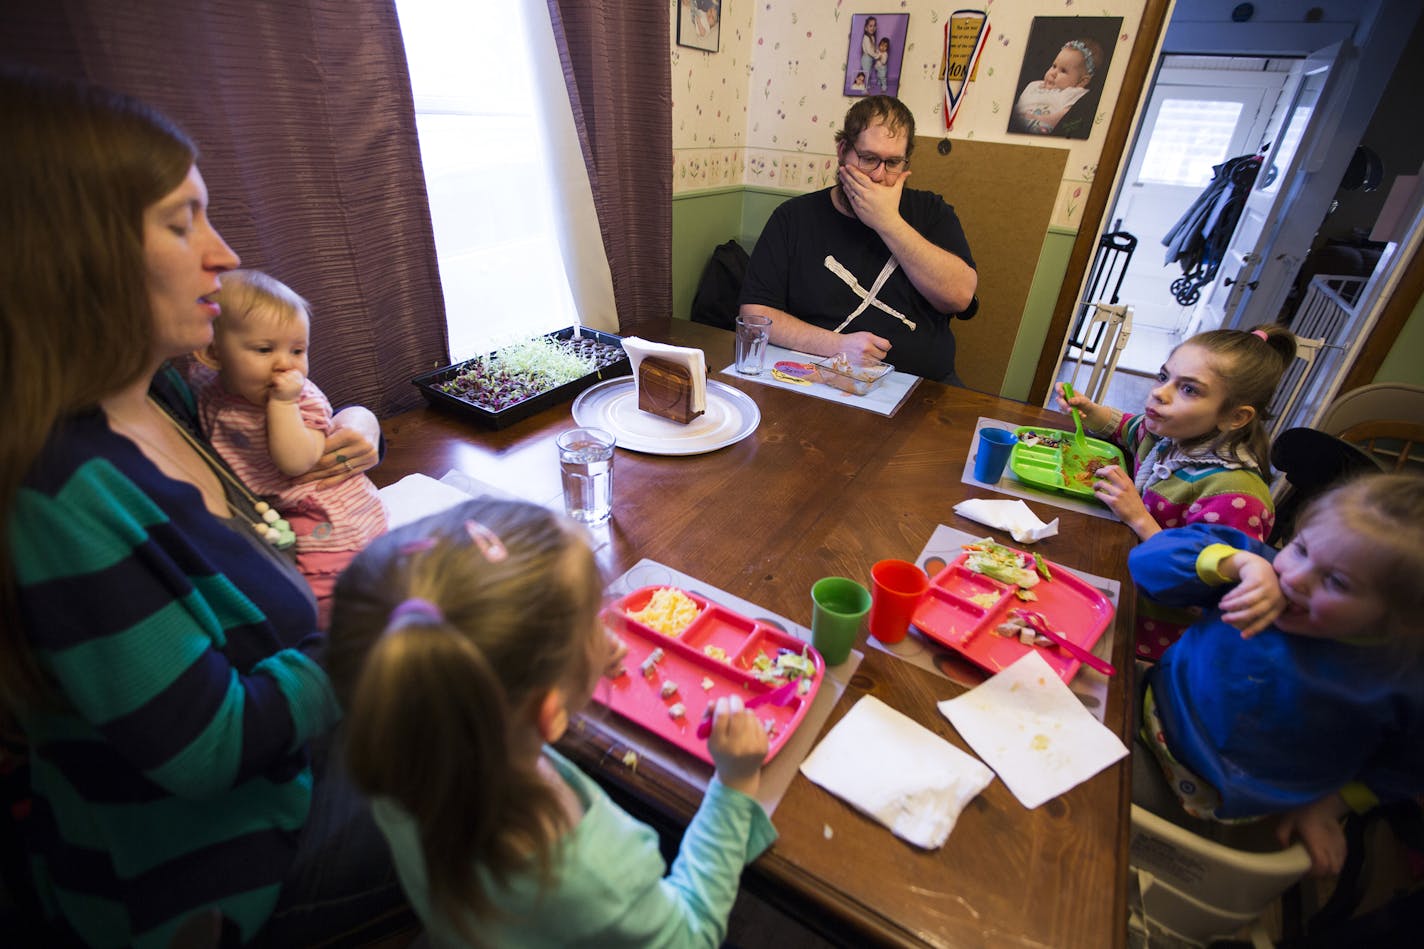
[669, 611]
[1004, 564]
[1044, 439]
[683, 675]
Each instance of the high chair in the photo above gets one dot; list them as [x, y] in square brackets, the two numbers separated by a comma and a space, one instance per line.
[1194, 890]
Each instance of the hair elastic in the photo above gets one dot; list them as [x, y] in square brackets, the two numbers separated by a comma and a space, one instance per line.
[1082, 47]
[491, 547]
[416, 608]
[1261, 334]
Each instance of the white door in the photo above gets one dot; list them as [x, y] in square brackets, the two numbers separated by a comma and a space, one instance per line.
[1270, 243]
[1189, 126]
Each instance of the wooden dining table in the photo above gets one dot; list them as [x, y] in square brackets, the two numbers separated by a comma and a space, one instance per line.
[822, 489]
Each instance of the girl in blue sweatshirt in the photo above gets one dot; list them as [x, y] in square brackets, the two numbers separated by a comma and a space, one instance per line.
[1300, 691]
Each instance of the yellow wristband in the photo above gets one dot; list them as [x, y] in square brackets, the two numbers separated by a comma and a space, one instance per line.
[1358, 797]
[1209, 563]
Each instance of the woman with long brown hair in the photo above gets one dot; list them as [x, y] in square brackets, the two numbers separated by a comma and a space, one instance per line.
[158, 656]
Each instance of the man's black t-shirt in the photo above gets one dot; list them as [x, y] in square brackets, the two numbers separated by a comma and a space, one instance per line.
[819, 265]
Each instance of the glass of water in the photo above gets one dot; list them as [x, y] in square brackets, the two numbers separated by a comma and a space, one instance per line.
[586, 466]
[752, 335]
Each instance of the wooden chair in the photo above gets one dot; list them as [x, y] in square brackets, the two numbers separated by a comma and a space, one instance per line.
[1389, 441]
[1396, 400]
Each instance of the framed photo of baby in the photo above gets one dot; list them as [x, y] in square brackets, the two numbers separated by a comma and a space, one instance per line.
[877, 49]
[699, 24]
[1061, 80]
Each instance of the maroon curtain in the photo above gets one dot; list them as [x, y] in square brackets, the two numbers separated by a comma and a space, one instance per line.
[304, 119]
[616, 64]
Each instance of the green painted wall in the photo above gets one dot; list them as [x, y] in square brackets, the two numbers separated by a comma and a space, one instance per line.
[1038, 312]
[1403, 364]
[700, 221]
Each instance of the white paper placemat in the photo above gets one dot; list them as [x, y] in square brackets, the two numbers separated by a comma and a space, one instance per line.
[944, 545]
[777, 776]
[1011, 485]
[1032, 731]
[416, 496]
[884, 399]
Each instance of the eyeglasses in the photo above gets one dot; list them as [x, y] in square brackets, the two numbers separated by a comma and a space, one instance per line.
[868, 163]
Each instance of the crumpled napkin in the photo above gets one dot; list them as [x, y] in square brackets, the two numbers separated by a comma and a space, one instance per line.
[1033, 731]
[895, 770]
[1012, 516]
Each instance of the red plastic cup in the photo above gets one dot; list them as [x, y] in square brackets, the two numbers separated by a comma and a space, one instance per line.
[896, 589]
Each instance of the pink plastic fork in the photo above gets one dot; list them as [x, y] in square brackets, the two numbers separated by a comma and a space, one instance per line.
[1040, 625]
[781, 695]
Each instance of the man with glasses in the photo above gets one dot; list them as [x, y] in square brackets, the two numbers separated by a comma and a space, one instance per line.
[867, 267]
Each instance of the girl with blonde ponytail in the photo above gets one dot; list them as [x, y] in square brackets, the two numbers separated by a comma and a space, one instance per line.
[461, 646]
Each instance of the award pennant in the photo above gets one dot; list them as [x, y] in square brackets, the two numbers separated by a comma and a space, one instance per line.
[965, 33]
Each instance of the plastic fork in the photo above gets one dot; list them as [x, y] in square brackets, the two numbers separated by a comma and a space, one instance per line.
[1039, 623]
[781, 695]
[1078, 438]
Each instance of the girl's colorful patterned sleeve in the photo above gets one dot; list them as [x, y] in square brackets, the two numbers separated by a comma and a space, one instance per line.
[1238, 499]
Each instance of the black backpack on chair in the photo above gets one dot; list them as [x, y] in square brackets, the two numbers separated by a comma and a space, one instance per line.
[715, 302]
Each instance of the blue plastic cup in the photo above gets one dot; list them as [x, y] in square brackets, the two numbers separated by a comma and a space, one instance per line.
[993, 453]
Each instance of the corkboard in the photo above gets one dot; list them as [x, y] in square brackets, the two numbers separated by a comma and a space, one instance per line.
[1004, 197]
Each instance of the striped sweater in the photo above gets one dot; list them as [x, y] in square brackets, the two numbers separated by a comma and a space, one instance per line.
[342, 517]
[173, 773]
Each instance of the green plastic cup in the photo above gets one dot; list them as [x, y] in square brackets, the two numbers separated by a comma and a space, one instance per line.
[838, 607]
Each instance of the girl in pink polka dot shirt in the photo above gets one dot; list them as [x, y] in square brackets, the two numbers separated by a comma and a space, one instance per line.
[1198, 449]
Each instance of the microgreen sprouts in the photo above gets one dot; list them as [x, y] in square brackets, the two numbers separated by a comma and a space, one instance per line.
[521, 370]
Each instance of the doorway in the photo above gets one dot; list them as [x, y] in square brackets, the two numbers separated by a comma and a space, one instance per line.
[1203, 111]
[1368, 40]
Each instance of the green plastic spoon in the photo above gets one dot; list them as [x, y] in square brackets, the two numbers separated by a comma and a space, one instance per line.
[1078, 438]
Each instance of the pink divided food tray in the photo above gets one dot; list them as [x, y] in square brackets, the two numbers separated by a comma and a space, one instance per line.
[949, 614]
[638, 697]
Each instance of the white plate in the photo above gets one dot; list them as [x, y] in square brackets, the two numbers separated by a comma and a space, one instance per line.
[613, 405]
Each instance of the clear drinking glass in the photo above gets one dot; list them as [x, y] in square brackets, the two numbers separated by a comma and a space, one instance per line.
[586, 467]
[752, 335]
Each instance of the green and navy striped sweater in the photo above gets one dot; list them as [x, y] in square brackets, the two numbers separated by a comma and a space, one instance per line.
[173, 776]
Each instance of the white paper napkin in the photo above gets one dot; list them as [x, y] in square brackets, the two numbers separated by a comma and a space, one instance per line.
[897, 771]
[1033, 731]
[416, 496]
[1012, 516]
[694, 359]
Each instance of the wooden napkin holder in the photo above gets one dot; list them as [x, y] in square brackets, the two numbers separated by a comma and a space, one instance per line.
[665, 389]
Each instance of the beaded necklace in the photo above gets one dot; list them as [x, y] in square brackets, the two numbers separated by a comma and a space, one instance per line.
[268, 523]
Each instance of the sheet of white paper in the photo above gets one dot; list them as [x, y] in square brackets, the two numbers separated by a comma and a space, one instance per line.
[416, 496]
[885, 399]
[1033, 731]
[895, 770]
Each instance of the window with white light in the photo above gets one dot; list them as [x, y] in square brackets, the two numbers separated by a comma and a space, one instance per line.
[1189, 137]
[483, 151]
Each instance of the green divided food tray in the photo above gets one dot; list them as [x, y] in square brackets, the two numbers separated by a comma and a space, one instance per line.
[1061, 467]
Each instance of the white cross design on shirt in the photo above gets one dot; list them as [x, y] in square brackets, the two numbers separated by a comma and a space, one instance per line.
[867, 299]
